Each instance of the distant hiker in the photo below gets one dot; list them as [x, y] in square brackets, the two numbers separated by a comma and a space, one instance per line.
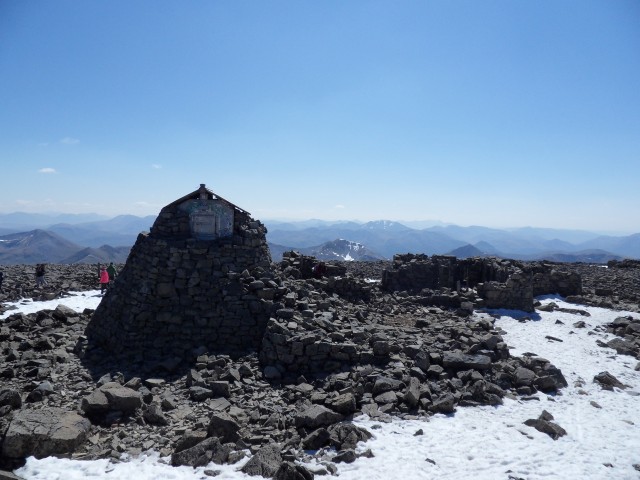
[111, 270]
[104, 279]
[319, 270]
[40, 272]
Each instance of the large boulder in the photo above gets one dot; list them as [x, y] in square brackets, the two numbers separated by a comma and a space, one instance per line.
[11, 398]
[205, 452]
[223, 426]
[265, 462]
[122, 398]
[42, 433]
[462, 361]
[346, 435]
[111, 396]
[291, 471]
[317, 416]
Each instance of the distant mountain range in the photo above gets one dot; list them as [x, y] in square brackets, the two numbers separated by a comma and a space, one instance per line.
[89, 230]
[34, 238]
[43, 246]
[384, 239]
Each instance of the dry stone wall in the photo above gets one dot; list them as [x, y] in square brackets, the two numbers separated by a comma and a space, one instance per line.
[419, 271]
[500, 283]
[178, 294]
[515, 294]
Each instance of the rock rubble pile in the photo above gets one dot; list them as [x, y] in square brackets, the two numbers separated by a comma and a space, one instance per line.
[323, 359]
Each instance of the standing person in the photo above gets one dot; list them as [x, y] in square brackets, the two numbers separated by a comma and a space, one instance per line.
[40, 271]
[111, 270]
[104, 279]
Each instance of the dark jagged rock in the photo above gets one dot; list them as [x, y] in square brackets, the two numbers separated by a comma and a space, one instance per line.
[205, 452]
[223, 426]
[290, 471]
[317, 416]
[607, 381]
[266, 462]
[11, 398]
[544, 424]
[347, 435]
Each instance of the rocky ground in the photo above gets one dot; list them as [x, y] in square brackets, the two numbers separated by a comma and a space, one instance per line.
[214, 407]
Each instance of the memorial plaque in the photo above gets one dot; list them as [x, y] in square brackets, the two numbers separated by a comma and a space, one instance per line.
[203, 225]
[210, 219]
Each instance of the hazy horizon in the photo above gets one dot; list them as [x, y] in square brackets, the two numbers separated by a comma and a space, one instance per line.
[416, 224]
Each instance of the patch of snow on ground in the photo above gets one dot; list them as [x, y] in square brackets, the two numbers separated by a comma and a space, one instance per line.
[77, 301]
[483, 443]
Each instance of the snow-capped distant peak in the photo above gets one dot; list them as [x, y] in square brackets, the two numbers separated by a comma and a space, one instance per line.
[385, 225]
[342, 249]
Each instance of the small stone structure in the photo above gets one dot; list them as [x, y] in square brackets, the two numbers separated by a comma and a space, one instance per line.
[419, 271]
[500, 283]
[200, 279]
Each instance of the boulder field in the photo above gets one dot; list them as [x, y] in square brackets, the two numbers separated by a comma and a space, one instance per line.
[334, 347]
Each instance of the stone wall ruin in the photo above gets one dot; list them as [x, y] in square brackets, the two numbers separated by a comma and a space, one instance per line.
[500, 283]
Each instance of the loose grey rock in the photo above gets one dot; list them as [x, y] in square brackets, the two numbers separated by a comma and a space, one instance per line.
[345, 456]
[223, 426]
[317, 416]
[41, 433]
[544, 424]
[462, 361]
[11, 398]
[265, 462]
[153, 414]
[607, 381]
[122, 398]
[209, 450]
[316, 440]
[291, 471]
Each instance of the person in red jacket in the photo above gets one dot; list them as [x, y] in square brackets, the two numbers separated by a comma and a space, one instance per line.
[104, 279]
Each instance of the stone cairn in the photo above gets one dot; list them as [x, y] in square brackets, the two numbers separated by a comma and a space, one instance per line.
[198, 281]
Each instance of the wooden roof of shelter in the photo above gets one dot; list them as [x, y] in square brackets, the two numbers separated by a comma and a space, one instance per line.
[204, 191]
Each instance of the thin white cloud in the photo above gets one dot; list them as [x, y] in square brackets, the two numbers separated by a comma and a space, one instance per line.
[339, 207]
[47, 170]
[69, 141]
[156, 166]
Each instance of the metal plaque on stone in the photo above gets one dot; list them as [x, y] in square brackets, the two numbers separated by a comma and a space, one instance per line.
[210, 219]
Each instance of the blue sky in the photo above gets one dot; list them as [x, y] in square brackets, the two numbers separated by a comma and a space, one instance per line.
[495, 113]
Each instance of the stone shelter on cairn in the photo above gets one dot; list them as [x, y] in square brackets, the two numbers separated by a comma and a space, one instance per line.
[198, 280]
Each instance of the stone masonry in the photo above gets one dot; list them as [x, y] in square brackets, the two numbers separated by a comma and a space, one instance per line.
[199, 280]
[500, 283]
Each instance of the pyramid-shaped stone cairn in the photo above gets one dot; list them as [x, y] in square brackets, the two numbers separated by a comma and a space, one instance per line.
[193, 282]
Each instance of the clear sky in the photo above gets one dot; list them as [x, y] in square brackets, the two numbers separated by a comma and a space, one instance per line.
[495, 113]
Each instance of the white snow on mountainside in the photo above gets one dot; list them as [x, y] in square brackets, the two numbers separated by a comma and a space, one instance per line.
[485, 443]
[342, 249]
